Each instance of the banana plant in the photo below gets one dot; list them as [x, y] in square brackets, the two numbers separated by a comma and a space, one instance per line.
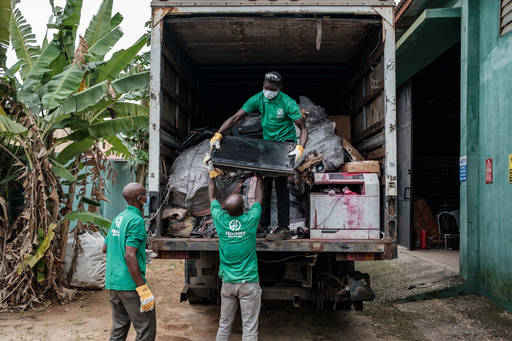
[58, 103]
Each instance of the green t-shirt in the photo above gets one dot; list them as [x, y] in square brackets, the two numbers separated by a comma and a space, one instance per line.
[127, 229]
[277, 116]
[237, 243]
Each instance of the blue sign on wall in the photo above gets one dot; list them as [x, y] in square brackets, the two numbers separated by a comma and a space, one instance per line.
[463, 168]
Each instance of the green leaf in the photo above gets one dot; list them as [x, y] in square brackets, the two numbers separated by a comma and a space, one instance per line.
[105, 44]
[23, 42]
[88, 217]
[90, 97]
[9, 127]
[100, 23]
[74, 149]
[62, 172]
[90, 202]
[119, 147]
[132, 82]
[29, 92]
[116, 20]
[68, 25]
[129, 109]
[119, 61]
[62, 85]
[5, 35]
[118, 125]
[32, 260]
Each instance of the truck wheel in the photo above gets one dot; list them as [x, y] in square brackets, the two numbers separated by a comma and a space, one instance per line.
[358, 305]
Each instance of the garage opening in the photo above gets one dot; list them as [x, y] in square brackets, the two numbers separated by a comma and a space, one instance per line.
[435, 152]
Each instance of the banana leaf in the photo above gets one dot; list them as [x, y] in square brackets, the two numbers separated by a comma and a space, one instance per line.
[90, 202]
[69, 21]
[116, 20]
[5, 18]
[100, 23]
[74, 149]
[23, 42]
[62, 86]
[119, 146]
[129, 109]
[32, 260]
[118, 125]
[88, 217]
[61, 171]
[96, 97]
[9, 127]
[119, 61]
[131, 83]
[105, 44]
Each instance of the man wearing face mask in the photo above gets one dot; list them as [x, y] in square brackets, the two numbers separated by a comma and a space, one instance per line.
[279, 116]
[125, 246]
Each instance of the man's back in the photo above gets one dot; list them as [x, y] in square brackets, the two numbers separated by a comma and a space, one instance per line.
[126, 229]
[237, 243]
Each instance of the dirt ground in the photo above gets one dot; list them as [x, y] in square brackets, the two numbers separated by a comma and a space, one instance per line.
[389, 317]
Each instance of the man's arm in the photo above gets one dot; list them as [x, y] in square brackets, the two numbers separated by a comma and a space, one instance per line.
[104, 250]
[211, 190]
[258, 193]
[130, 257]
[301, 124]
[237, 117]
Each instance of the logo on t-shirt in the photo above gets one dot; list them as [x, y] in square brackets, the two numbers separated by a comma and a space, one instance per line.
[234, 225]
[115, 229]
[280, 113]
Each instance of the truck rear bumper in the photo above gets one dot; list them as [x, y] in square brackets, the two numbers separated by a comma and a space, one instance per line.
[353, 249]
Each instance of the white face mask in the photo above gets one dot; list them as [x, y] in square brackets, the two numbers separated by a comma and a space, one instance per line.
[270, 94]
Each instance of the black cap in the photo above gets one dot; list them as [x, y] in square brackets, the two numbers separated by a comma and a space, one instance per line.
[274, 77]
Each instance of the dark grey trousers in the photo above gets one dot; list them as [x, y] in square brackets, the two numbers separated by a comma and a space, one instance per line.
[126, 309]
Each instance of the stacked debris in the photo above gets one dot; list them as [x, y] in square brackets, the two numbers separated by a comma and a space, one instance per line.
[189, 214]
[178, 222]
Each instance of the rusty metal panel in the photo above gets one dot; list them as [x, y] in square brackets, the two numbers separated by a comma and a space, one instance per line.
[225, 3]
[296, 245]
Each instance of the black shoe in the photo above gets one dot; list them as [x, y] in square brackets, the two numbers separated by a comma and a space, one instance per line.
[279, 233]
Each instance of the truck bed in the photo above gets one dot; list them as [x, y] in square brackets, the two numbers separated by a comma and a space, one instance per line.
[345, 249]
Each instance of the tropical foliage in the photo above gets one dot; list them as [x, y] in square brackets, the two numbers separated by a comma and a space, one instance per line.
[58, 104]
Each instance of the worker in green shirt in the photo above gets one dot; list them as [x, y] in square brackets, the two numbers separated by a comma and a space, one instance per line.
[238, 268]
[125, 246]
[279, 116]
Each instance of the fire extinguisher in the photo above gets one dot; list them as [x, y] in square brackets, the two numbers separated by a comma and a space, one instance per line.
[423, 243]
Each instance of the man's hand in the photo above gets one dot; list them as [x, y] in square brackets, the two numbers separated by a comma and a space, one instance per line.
[297, 152]
[215, 141]
[147, 300]
[212, 171]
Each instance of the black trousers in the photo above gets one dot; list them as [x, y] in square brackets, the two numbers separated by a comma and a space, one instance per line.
[283, 201]
[126, 310]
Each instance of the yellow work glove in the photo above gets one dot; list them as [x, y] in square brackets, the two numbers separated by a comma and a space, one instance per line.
[215, 141]
[297, 152]
[212, 171]
[147, 300]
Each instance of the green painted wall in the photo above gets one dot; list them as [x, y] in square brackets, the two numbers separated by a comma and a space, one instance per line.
[486, 112]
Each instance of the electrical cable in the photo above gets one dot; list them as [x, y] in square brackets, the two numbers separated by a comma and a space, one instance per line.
[282, 260]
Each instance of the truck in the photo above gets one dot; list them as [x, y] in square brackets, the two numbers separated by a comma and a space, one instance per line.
[209, 56]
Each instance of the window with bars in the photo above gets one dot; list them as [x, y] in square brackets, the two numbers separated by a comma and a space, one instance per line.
[505, 17]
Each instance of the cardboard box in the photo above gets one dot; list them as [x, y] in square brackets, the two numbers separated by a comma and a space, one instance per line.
[361, 167]
[343, 127]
